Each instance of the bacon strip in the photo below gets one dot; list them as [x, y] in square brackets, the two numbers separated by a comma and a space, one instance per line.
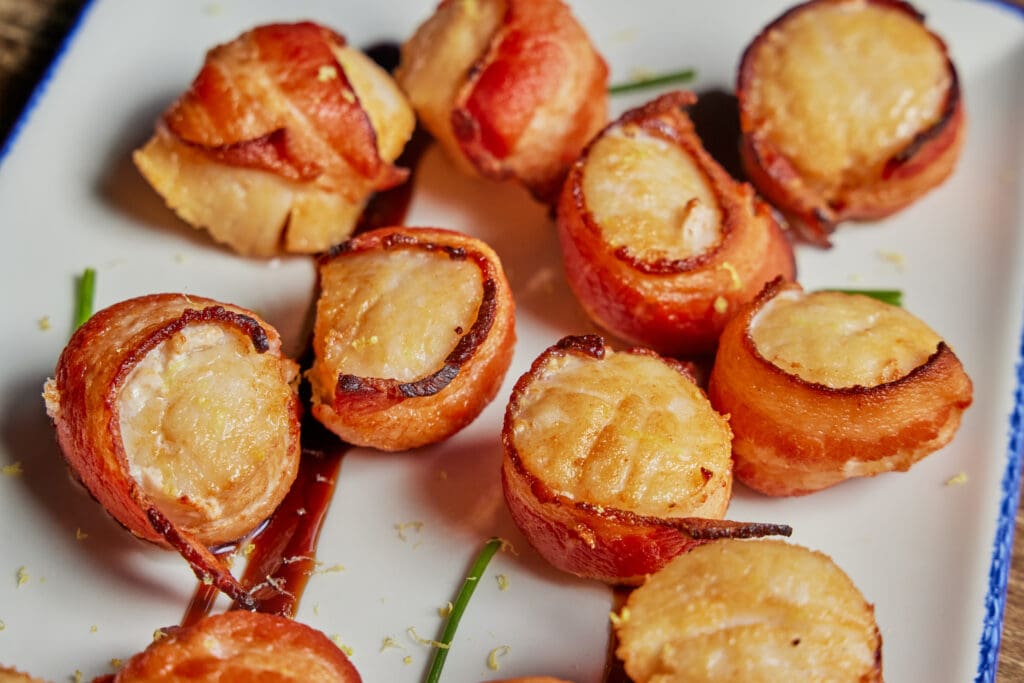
[277, 99]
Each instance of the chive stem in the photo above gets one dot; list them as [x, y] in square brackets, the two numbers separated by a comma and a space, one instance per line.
[893, 297]
[86, 292]
[469, 585]
[670, 78]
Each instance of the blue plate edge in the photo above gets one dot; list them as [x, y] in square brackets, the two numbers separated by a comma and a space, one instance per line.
[44, 81]
[1002, 547]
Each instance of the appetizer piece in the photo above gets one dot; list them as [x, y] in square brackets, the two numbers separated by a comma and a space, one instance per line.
[850, 109]
[180, 416]
[660, 244]
[825, 386]
[738, 611]
[241, 646]
[282, 138]
[386, 373]
[510, 88]
[615, 462]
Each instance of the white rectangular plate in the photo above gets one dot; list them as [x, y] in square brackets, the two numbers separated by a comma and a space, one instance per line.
[932, 557]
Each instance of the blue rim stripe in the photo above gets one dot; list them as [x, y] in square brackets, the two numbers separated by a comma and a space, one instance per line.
[1002, 547]
[1002, 543]
[44, 81]
[999, 568]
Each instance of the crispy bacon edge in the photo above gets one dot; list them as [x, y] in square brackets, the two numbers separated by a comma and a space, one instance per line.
[670, 305]
[608, 544]
[793, 437]
[294, 53]
[301, 650]
[526, 60]
[89, 433]
[924, 163]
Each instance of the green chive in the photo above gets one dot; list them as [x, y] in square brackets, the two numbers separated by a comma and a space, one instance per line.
[459, 606]
[683, 76]
[893, 297]
[86, 292]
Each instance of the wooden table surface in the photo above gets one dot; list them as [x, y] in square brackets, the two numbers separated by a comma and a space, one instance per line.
[31, 31]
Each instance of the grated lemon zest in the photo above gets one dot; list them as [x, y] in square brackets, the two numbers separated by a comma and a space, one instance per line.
[12, 470]
[426, 641]
[502, 582]
[957, 480]
[22, 576]
[80, 535]
[390, 643]
[620, 618]
[44, 323]
[402, 526]
[325, 73]
[446, 610]
[492, 658]
[721, 305]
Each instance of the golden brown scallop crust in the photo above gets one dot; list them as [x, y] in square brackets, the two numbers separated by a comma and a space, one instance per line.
[521, 102]
[397, 414]
[280, 141]
[85, 402]
[739, 611]
[793, 437]
[602, 542]
[675, 306]
[241, 646]
[875, 182]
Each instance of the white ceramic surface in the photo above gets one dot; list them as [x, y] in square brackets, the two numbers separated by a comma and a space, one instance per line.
[920, 549]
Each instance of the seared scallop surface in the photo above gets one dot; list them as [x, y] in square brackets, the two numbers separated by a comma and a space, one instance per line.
[850, 109]
[615, 462]
[282, 138]
[414, 334]
[749, 611]
[824, 386]
[511, 89]
[660, 245]
[241, 646]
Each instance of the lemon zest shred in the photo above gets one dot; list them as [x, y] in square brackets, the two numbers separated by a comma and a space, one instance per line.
[401, 527]
[492, 657]
[426, 641]
[391, 644]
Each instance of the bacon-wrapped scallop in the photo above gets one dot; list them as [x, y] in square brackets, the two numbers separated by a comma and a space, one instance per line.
[386, 373]
[280, 141]
[241, 646]
[180, 415]
[761, 610]
[850, 109]
[615, 462]
[660, 245]
[824, 386]
[510, 88]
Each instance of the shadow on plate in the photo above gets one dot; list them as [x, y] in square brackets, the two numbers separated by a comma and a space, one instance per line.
[122, 186]
[27, 434]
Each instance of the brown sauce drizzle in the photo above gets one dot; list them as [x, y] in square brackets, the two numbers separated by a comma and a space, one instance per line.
[282, 553]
